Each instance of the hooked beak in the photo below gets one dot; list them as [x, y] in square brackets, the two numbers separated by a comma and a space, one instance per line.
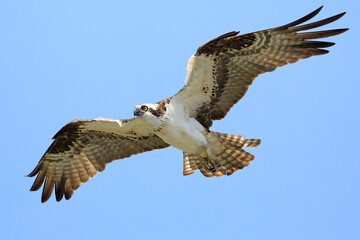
[138, 112]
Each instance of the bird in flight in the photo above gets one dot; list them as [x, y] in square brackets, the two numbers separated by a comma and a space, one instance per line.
[218, 76]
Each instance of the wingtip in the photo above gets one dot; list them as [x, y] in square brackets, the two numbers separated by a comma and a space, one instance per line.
[342, 30]
[315, 12]
[45, 195]
[35, 171]
[303, 19]
[338, 16]
[319, 9]
[342, 14]
[45, 199]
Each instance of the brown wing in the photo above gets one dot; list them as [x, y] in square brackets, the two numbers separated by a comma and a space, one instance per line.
[84, 147]
[222, 70]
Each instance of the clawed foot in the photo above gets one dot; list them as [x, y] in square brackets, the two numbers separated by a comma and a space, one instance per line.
[212, 164]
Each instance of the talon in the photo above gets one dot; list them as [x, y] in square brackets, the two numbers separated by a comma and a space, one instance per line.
[211, 164]
[216, 162]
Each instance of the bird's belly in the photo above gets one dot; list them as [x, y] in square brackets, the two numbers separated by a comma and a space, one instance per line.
[184, 137]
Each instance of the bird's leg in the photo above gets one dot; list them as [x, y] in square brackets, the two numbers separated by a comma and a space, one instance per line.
[210, 164]
[216, 161]
[205, 162]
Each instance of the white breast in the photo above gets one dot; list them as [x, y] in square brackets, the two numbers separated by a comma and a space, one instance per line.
[182, 131]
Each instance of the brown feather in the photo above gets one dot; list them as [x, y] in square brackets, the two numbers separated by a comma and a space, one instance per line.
[232, 158]
[302, 20]
[239, 59]
[84, 147]
[316, 24]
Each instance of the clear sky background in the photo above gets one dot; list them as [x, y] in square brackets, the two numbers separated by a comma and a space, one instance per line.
[65, 60]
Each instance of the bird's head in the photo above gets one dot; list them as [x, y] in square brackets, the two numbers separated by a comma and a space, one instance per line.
[148, 110]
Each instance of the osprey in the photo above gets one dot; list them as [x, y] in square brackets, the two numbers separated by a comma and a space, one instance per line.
[218, 76]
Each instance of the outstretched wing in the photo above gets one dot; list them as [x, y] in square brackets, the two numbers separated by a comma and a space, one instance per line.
[221, 71]
[84, 147]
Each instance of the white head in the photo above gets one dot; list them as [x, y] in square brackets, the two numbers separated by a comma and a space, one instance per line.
[151, 113]
[147, 110]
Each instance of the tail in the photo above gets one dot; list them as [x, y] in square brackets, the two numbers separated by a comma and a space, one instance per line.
[231, 159]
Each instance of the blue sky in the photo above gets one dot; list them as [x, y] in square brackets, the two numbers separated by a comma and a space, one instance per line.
[67, 60]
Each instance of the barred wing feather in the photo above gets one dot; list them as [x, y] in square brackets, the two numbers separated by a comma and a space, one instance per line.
[221, 71]
[84, 147]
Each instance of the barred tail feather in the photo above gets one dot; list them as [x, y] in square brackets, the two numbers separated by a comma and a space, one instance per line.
[189, 164]
[232, 158]
[236, 141]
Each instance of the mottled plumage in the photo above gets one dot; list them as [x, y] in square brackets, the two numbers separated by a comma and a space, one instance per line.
[219, 75]
[84, 147]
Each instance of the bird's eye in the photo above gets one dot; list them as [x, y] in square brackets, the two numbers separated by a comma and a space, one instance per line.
[144, 108]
